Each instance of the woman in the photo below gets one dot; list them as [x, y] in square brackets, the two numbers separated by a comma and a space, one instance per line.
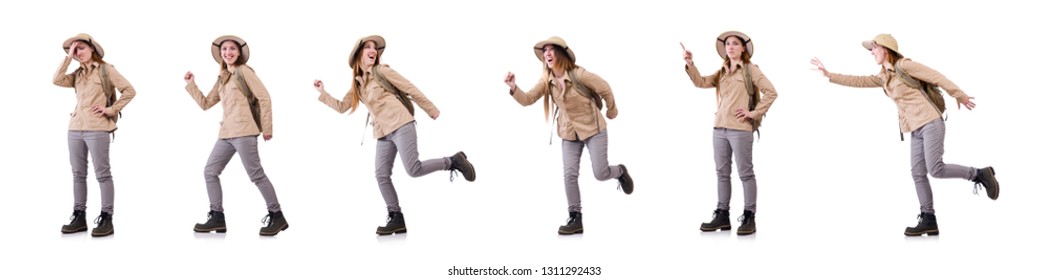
[93, 119]
[379, 88]
[239, 130]
[738, 110]
[577, 94]
[919, 117]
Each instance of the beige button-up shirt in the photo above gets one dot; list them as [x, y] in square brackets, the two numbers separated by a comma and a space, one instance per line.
[89, 92]
[732, 94]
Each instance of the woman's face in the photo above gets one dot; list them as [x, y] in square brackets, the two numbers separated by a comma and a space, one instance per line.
[878, 53]
[733, 47]
[368, 54]
[550, 55]
[230, 52]
[84, 52]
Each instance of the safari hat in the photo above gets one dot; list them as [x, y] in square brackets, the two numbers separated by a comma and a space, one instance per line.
[245, 51]
[724, 38]
[556, 41]
[86, 38]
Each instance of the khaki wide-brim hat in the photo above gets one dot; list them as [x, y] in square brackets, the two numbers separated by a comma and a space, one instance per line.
[883, 40]
[86, 38]
[556, 41]
[724, 38]
[216, 52]
[380, 46]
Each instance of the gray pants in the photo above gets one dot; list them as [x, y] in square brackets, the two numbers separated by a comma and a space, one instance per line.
[926, 150]
[223, 151]
[726, 142]
[572, 154]
[405, 141]
[95, 143]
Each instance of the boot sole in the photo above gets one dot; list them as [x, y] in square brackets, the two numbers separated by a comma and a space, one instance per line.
[929, 232]
[74, 230]
[101, 234]
[217, 229]
[715, 229]
[746, 232]
[401, 230]
[561, 232]
[263, 233]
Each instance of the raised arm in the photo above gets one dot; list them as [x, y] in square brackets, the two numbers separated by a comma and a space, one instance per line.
[529, 97]
[212, 97]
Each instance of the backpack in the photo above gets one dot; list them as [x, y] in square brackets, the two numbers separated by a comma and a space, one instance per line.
[931, 91]
[107, 87]
[755, 97]
[252, 101]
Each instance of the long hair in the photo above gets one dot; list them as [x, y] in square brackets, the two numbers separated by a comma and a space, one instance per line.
[891, 56]
[563, 63]
[357, 87]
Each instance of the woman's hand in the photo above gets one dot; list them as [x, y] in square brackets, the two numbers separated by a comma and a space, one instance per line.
[819, 67]
[967, 101]
[102, 111]
[189, 77]
[319, 85]
[743, 115]
[511, 80]
[687, 55]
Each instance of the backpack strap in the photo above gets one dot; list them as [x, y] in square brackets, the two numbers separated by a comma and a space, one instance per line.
[251, 100]
[585, 89]
[108, 88]
[404, 98]
[915, 83]
[753, 97]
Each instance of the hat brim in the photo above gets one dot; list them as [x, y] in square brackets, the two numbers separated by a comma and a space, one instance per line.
[542, 44]
[724, 37]
[380, 46]
[869, 44]
[216, 52]
[86, 38]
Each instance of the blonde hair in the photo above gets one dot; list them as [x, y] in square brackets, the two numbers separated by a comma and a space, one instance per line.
[358, 71]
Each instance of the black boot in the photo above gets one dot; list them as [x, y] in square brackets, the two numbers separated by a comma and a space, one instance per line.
[462, 165]
[104, 224]
[574, 224]
[749, 224]
[625, 181]
[394, 224]
[78, 222]
[275, 223]
[216, 221]
[721, 221]
[925, 224]
[988, 179]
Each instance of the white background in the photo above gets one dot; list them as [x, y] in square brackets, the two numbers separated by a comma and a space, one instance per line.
[835, 191]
